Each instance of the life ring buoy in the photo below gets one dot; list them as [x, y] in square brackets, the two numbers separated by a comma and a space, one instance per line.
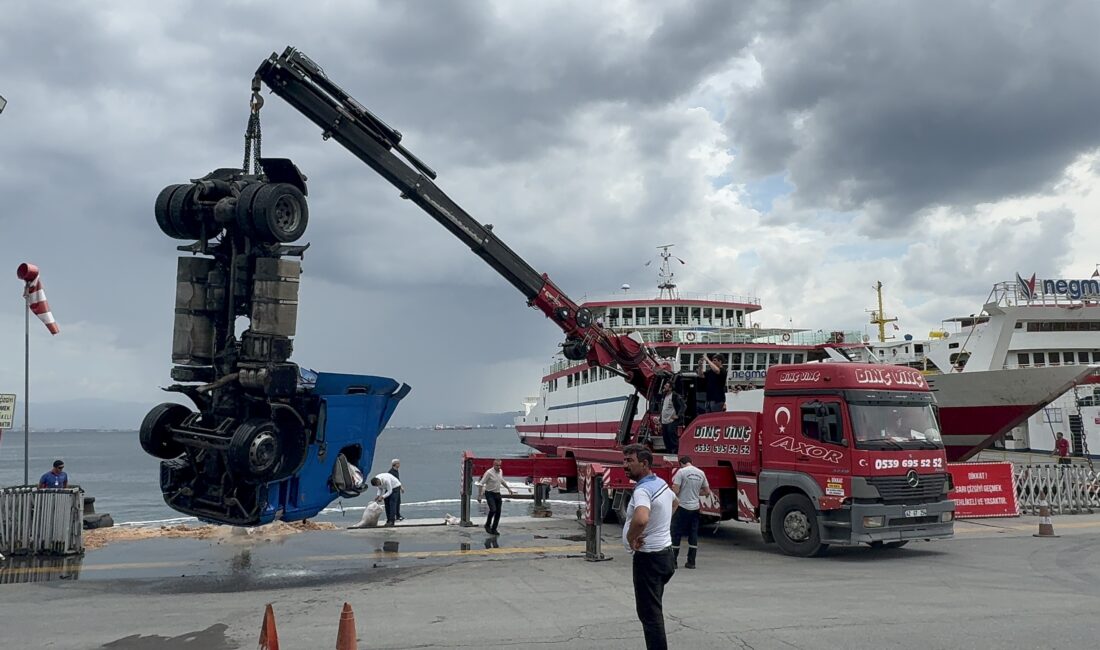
[666, 335]
[689, 337]
[786, 337]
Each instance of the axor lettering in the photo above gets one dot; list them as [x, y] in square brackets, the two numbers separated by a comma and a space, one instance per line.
[813, 451]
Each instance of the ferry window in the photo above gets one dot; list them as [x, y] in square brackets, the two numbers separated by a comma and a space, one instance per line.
[740, 318]
[1032, 327]
[628, 315]
[1067, 358]
[613, 317]
[729, 317]
[1019, 324]
[1096, 357]
[707, 312]
[1059, 327]
[695, 315]
[798, 358]
[1039, 359]
[773, 359]
[681, 315]
[786, 357]
[1023, 359]
[685, 361]
[1082, 357]
[918, 348]
[735, 361]
[666, 315]
[569, 381]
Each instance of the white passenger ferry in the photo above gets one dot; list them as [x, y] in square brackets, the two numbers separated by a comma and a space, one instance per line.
[581, 406]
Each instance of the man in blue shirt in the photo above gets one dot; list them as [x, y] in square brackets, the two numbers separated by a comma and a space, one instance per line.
[56, 477]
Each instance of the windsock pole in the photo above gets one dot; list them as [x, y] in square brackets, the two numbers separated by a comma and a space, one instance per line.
[26, 394]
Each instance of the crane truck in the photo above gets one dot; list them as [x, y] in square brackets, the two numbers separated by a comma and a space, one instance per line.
[834, 454]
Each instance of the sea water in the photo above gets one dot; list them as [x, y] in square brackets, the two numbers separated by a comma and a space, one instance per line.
[125, 481]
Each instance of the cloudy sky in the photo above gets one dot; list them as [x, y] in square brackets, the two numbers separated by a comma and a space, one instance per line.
[793, 153]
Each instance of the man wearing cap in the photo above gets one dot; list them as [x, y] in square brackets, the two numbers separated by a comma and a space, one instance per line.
[395, 469]
[56, 477]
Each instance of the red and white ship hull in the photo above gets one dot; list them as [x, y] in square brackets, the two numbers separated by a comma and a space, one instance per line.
[979, 408]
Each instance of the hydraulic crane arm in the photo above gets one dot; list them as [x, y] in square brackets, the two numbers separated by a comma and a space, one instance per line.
[304, 85]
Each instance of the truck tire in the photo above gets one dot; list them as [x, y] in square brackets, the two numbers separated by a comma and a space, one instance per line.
[164, 200]
[255, 451]
[794, 526]
[279, 213]
[607, 512]
[183, 214]
[155, 433]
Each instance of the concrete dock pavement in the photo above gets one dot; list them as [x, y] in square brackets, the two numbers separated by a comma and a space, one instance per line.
[992, 586]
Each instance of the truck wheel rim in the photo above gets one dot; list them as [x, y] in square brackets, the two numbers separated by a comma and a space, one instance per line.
[287, 214]
[262, 452]
[796, 526]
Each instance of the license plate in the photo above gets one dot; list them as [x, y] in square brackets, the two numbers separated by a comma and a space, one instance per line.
[916, 513]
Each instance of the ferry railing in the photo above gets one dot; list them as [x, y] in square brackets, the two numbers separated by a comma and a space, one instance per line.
[1069, 489]
[36, 521]
[627, 296]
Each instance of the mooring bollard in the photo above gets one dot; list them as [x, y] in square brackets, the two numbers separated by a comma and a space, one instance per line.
[467, 487]
[593, 522]
[541, 494]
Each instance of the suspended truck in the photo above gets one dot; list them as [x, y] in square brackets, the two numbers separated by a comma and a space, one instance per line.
[835, 453]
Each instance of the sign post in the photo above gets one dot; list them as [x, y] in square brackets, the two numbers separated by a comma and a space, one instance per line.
[983, 490]
[7, 411]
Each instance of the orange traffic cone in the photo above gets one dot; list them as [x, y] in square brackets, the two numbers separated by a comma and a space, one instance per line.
[269, 637]
[345, 634]
[1046, 528]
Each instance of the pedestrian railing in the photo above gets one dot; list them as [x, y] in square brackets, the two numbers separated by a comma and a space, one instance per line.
[1070, 489]
[37, 521]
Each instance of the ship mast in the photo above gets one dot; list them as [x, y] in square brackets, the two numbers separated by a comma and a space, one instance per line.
[878, 318]
[667, 288]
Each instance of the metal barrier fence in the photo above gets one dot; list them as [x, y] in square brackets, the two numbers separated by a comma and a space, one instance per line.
[1070, 489]
[37, 521]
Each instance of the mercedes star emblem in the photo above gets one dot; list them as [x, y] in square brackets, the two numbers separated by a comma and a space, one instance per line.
[912, 479]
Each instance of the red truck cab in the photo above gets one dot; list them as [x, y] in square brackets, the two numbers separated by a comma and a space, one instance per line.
[840, 453]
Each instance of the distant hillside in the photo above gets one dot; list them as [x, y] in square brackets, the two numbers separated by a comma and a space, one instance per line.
[84, 414]
[110, 414]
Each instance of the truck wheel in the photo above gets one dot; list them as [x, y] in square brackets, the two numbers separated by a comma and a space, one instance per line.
[255, 450]
[279, 213]
[164, 200]
[183, 214]
[607, 512]
[794, 525]
[897, 544]
[155, 433]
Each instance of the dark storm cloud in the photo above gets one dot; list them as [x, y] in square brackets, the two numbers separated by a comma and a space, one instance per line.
[110, 103]
[897, 107]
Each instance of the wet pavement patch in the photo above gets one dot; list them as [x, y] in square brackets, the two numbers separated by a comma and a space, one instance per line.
[212, 638]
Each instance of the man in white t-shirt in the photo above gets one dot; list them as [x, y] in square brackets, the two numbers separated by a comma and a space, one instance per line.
[647, 535]
[389, 487]
[688, 484]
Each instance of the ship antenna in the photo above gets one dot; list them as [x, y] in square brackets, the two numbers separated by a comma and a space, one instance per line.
[666, 286]
[878, 318]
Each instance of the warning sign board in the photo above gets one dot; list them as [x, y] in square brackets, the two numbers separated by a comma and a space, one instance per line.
[983, 490]
[7, 410]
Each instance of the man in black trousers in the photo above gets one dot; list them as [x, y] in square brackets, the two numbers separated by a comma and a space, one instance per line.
[647, 536]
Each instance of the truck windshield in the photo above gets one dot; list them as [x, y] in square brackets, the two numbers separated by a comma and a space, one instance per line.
[882, 426]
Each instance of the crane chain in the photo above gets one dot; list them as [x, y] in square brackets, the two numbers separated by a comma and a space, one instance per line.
[252, 135]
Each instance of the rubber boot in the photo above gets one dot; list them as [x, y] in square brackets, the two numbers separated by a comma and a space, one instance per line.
[691, 557]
